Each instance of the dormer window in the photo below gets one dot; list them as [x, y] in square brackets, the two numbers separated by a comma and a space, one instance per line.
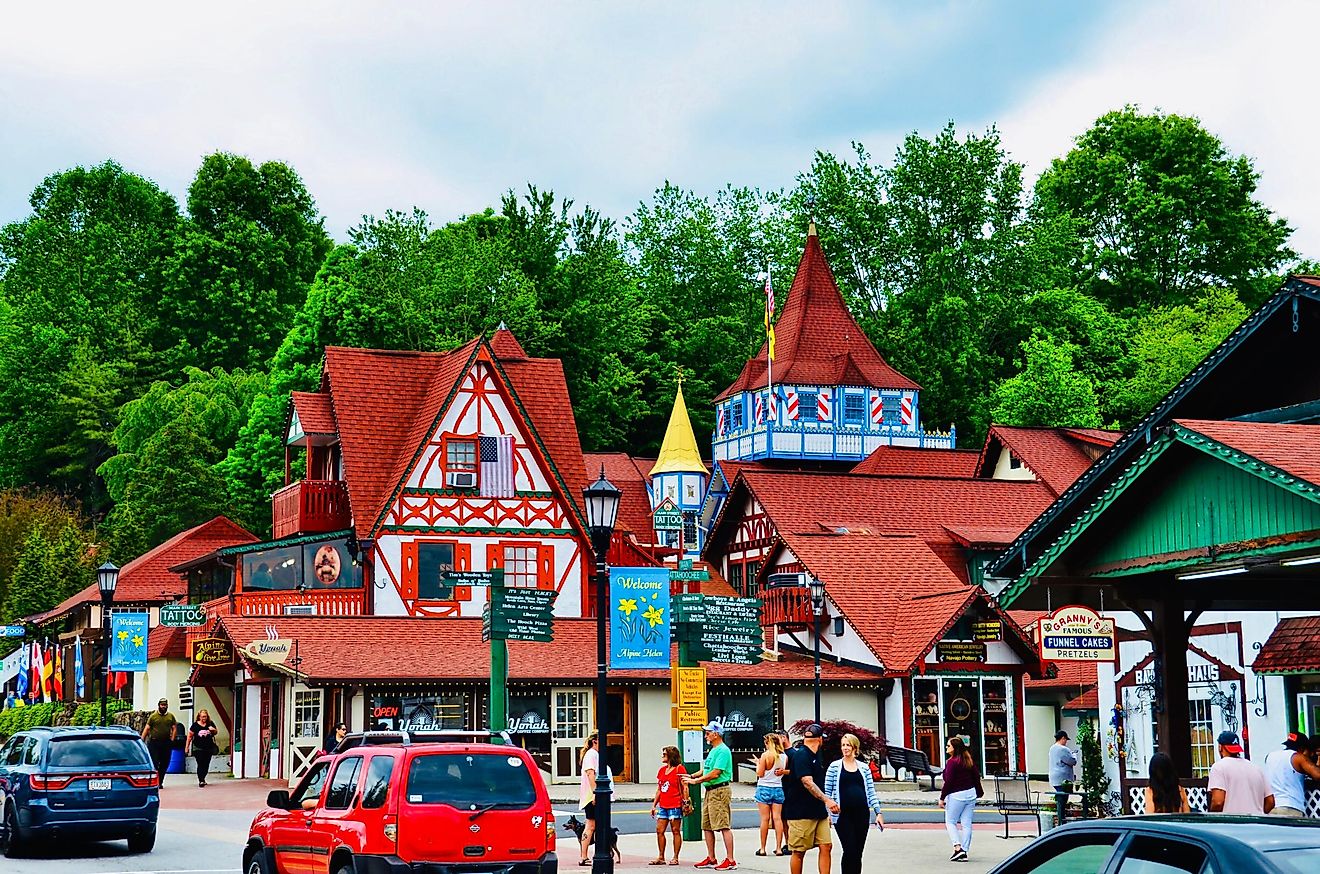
[891, 410]
[461, 462]
[854, 409]
[1014, 463]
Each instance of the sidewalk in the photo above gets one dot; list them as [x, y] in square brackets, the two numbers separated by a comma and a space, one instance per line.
[889, 792]
[917, 847]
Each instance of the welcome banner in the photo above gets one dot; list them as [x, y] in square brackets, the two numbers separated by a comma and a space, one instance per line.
[128, 641]
[639, 618]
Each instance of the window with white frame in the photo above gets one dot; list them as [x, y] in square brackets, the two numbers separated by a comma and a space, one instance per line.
[1204, 736]
[307, 713]
[572, 714]
[521, 567]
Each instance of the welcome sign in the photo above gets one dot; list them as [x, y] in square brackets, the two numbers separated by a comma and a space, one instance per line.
[128, 641]
[1077, 634]
[639, 618]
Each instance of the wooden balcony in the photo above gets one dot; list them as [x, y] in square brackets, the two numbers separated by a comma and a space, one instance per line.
[310, 507]
[788, 606]
[313, 602]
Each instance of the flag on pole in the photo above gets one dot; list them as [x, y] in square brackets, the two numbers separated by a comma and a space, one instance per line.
[23, 669]
[79, 679]
[57, 684]
[34, 691]
[769, 315]
[47, 674]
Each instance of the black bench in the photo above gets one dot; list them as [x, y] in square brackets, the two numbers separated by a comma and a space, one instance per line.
[1014, 797]
[914, 762]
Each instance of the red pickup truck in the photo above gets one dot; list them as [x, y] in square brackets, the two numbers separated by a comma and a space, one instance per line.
[409, 808]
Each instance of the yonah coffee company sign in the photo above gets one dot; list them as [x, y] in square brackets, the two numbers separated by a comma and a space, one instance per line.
[269, 652]
[1077, 634]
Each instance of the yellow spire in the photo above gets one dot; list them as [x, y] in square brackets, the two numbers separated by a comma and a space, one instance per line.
[678, 452]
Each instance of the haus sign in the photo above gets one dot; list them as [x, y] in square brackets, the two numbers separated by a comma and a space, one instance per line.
[1077, 634]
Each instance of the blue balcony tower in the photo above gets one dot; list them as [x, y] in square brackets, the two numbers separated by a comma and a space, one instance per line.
[833, 399]
[679, 475]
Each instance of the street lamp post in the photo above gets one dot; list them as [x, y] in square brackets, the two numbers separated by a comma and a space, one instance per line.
[107, 577]
[817, 612]
[602, 500]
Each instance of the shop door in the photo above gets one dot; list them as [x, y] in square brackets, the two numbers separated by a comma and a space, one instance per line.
[306, 743]
[268, 707]
[962, 714]
[620, 729]
[572, 722]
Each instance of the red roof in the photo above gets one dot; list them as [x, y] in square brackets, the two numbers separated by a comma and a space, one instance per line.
[1293, 449]
[910, 461]
[387, 401]
[817, 340]
[147, 579]
[1088, 700]
[805, 502]
[629, 477]
[1293, 648]
[314, 412]
[1055, 455]
[451, 649]
[167, 643]
[505, 345]
[973, 536]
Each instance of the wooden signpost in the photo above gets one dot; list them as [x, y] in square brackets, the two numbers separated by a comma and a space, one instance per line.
[509, 614]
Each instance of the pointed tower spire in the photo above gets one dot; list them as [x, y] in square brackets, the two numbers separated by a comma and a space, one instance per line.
[678, 451]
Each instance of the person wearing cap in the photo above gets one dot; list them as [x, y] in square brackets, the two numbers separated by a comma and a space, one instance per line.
[1286, 769]
[807, 808]
[1236, 785]
[159, 733]
[1062, 762]
[717, 804]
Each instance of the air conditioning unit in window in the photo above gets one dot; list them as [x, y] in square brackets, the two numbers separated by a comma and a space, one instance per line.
[299, 610]
[780, 581]
[461, 479]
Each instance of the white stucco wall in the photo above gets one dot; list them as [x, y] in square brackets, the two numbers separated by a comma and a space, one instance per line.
[653, 731]
[855, 705]
[162, 680]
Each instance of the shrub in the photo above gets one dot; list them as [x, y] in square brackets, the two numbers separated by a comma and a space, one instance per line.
[17, 719]
[1095, 783]
[873, 745]
[90, 713]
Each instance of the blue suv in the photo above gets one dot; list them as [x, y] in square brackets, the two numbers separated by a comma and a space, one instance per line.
[77, 784]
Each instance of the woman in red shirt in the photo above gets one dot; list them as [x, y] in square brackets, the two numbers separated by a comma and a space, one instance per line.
[667, 808]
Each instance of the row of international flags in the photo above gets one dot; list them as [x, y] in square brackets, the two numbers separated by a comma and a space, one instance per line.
[42, 668]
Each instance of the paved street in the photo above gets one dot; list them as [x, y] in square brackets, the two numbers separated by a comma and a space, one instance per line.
[203, 831]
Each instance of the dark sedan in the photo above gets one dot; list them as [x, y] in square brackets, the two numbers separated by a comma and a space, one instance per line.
[1192, 844]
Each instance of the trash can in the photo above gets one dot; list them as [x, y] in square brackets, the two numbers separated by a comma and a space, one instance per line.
[177, 762]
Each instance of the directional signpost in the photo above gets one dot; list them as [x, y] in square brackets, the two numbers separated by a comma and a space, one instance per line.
[510, 614]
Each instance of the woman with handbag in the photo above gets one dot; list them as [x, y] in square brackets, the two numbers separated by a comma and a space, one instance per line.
[962, 786]
[202, 744]
[671, 803]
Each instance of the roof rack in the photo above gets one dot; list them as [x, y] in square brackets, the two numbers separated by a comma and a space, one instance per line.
[408, 738]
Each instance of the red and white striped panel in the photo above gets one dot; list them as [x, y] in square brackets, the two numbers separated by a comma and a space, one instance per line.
[823, 406]
[791, 404]
[760, 409]
[877, 409]
[905, 412]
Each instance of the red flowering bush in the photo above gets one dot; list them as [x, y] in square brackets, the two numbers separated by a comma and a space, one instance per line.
[873, 745]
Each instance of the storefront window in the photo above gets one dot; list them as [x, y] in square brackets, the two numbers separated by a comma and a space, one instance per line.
[324, 565]
[307, 713]
[747, 719]
[975, 709]
[420, 712]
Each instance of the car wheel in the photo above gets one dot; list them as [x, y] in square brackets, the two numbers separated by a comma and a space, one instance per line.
[12, 840]
[257, 865]
[142, 843]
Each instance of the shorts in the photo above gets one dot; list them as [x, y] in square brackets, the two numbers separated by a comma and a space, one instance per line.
[669, 813]
[1287, 811]
[717, 809]
[769, 795]
[589, 812]
[807, 834]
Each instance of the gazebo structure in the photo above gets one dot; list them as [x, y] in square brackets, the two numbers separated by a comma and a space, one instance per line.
[1210, 503]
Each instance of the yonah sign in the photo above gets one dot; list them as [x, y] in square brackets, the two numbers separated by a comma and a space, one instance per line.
[270, 652]
[1077, 634]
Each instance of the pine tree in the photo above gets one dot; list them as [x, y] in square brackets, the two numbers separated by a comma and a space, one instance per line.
[1095, 783]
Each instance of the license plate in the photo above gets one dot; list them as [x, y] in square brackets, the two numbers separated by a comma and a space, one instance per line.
[98, 785]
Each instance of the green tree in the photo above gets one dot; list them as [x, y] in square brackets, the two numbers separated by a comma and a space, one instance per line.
[242, 265]
[51, 567]
[1164, 210]
[1168, 342]
[1049, 392]
[23, 511]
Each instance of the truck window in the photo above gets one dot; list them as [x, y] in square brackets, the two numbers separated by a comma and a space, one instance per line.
[343, 783]
[466, 780]
[311, 784]
[377, 787]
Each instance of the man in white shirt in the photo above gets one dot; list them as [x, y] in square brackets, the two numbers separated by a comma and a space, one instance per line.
[1236, 785]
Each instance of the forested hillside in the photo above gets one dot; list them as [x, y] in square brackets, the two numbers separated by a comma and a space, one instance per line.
[149, 345]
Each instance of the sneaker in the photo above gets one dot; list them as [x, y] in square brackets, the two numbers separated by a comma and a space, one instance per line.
[707, 862]
[727, 865]
[953, 857]
[960, 856]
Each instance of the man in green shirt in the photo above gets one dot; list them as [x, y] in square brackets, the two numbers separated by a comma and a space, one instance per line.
[159, 733]
[717, 805]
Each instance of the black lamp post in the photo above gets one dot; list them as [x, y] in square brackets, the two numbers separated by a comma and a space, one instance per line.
[602, 500]
[817, 612]
[107, 577]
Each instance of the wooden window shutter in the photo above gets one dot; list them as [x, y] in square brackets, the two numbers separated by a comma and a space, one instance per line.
[463, 562]
[408, 570]
[545, 570]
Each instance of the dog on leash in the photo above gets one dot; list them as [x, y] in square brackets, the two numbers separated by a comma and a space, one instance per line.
[578, 827]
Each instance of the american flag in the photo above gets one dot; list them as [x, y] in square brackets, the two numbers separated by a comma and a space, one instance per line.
[496, 472]
[906, 413]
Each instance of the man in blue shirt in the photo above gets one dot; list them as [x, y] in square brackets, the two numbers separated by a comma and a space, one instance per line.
[1062, 762]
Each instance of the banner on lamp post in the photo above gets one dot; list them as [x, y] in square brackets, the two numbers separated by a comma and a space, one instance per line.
[639, 618]
[128, 641]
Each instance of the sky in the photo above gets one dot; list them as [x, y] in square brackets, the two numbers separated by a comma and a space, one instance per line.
[445, 106]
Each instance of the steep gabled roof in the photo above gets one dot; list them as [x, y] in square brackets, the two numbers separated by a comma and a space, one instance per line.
[625, 473]
[923, 506]
[817, 340]
[147, 578]
[315, 413]
[1292, 449]
[1055, 455]
[911, 461]
[1239, 377]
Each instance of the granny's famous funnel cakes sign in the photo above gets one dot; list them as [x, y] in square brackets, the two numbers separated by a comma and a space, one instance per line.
[1076, 634]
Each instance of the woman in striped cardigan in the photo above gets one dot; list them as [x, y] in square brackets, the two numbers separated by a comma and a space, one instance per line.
[848, 783]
